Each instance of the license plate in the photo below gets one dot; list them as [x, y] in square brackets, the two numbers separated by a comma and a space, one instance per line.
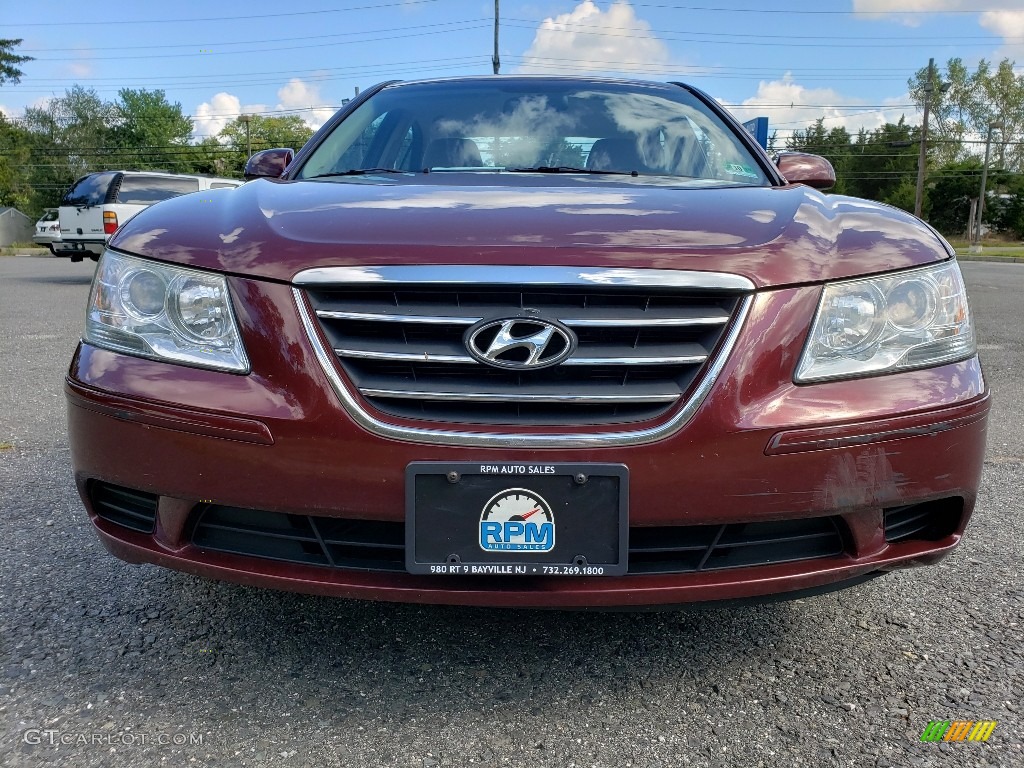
[496, 519]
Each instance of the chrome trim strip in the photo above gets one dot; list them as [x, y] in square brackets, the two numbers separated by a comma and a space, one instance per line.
[513, 440]
[682, 360]
[498, 397]
[605, 322]
[426, 357]
[610, 322]
[381, 318]
[404, 357]
[476, 275]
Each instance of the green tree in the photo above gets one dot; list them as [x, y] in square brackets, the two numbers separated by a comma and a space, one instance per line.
[953, 187]
[69, 137]
[1011, 213]
[834, 145]
[886, 157]
[9, 61]
[903, 196]
[150, 133]
[263, 132]
[211, 157]
[15, 167]
[1003, 95]
[963, 105]
[74, 131]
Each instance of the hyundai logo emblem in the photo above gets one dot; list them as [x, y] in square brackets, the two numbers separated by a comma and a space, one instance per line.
[520, 343]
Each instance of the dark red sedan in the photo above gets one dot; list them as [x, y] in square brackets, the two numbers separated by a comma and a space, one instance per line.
[529, 342]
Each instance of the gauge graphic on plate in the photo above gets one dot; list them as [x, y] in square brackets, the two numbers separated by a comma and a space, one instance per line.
[517, 520]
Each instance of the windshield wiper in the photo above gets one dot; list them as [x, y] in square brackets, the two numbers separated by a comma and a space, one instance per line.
[357, 172]
[568, 169]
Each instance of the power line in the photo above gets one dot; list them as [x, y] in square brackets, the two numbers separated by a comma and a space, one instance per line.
[891, 11]
[788, 43]
[356, 41]
[265, 40]
[582, 25]
[247, 17]
[694, 69]
[573, 25]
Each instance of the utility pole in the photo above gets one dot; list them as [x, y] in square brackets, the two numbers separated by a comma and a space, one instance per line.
[495, 61]
[248, 142]
[976, 248]
[922, 158]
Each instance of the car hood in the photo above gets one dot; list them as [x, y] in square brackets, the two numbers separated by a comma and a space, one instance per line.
[774, 236]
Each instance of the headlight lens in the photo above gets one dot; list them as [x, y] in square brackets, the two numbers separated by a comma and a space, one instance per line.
[165, 312]
[912, 319]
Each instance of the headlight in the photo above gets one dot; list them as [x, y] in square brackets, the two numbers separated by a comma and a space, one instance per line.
[164, 312]
[911, 319]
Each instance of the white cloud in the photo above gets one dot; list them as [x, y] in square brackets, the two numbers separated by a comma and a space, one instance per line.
[211, 116]
[12, 113]
[885, 7]
[82, 65]
[805, 108]
[1007, 24]
[591, 40]
[297, 94]
[80, 68]
[1003, 17]
[878, 9]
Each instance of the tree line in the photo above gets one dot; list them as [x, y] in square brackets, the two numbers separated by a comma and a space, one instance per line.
[44, 152]
[882, 164]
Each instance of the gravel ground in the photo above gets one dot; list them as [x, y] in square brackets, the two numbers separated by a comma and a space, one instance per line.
[107, 664]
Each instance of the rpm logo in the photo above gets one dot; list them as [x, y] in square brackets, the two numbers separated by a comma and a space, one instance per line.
[517, 520]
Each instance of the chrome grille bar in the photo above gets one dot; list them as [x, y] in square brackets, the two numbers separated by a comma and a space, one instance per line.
[378, 317]
[516, 397]
[560, 277]
[640, 319]
[429, 357]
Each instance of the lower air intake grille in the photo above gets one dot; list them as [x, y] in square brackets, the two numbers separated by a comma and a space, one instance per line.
[380, 546]
[123, 506]
[686, 549]
[930, 521]
[334, 542]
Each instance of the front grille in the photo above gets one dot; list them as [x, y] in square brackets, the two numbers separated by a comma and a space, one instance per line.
[380, 546]
[641, 351]
[929, 521]
[124, 506]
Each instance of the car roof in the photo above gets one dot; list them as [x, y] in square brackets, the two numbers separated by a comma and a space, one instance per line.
[525, 79]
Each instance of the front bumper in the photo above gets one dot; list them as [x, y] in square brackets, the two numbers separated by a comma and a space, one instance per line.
[758, 449]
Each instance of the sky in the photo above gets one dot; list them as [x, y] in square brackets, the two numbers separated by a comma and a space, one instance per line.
[793, 61]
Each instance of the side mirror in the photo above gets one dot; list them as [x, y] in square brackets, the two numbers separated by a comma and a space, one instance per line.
[801, 168]
[268, 164]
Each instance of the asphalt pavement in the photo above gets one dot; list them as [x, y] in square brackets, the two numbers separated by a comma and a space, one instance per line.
[108, 664]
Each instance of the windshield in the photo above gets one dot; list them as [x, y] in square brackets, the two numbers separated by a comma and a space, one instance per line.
[536, 125]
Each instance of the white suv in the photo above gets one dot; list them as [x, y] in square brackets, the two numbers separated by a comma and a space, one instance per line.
[97, 204]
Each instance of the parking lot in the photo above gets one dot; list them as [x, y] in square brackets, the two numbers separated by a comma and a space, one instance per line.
[104, 663]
